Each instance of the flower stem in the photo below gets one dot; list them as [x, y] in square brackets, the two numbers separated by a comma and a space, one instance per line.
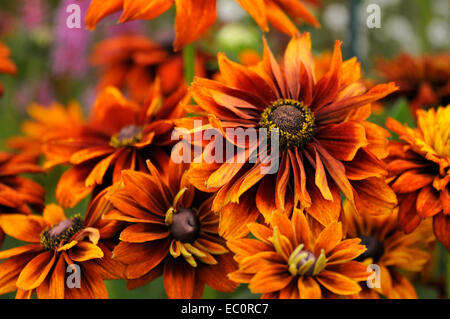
[189, 62]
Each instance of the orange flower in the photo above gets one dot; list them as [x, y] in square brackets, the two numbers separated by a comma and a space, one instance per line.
[326, 145]
[18, 194]
[56, 244]
[6, 65]
[292, 260]
[46, 120]
[171, 231]
[420, 171]
[322, 63]
[195, 17]
[120, 135]
[133, 62]
[423, 80]
[391, 249]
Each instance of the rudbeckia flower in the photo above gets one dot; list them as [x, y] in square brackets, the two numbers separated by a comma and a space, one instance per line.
[326, 146]
[419, 169]
[6, 65]
[195, 17]
[63, 257]
[132, 62]
[389, 248]
[171, 231]
[322, 63]
[119, 135]
[18, 195]
[423, 80]
[290, 260]
[45, 120]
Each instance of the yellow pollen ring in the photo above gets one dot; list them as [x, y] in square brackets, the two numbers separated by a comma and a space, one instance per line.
[298, 136]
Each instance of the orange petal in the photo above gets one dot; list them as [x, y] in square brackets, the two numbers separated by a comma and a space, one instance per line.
[261, 232]
[339, 109]
[441, 227]
[337, 283]
[71, 186]
[301, 228]
[428, 202]
[150, 276]
[270, 279]
[36, 271]
[322, 210]
[257, 9]
[150, 259]
[99, 170]
[336, 170]
[5, 254]
[298, 169]
[374, 196]
[283, 223]
[238, 76]
[144, 9]
[321, 179]
[54, 285]
[179, 279]
[193, 19]
[346, 250]
[99, 9]
[326, 89]
[328, 238]
[407, 214]
[22, 227]
[352, 269]
[145, 191]
[342, 140]
[10, 270]
[132, 253]
[265, 197]
[308, 288]
[139, 233]
[411, 180]
[53, 214]
[280, 20]
[235, 217]
[85, 251]
[216, 276]
[300, 11]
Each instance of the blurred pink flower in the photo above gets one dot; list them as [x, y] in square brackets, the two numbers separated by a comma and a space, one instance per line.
[70, 51]
[34, 13]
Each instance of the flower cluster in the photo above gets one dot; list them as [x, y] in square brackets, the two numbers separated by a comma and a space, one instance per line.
[344, 205]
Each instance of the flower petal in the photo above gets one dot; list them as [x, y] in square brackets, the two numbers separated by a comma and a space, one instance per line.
[179, 279]
[85, 251]
[337, 283]
[199, 15]
[36, 271]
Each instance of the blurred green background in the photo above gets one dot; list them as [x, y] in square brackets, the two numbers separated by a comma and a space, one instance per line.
[53, 65]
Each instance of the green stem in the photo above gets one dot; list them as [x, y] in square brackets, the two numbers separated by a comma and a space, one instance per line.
[189, 62]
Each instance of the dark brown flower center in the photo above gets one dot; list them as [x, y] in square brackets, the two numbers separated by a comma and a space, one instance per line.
[185, 225]
[375, 248]
[294, 121]
[61, 232]
[287, 117]
[128, 135]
